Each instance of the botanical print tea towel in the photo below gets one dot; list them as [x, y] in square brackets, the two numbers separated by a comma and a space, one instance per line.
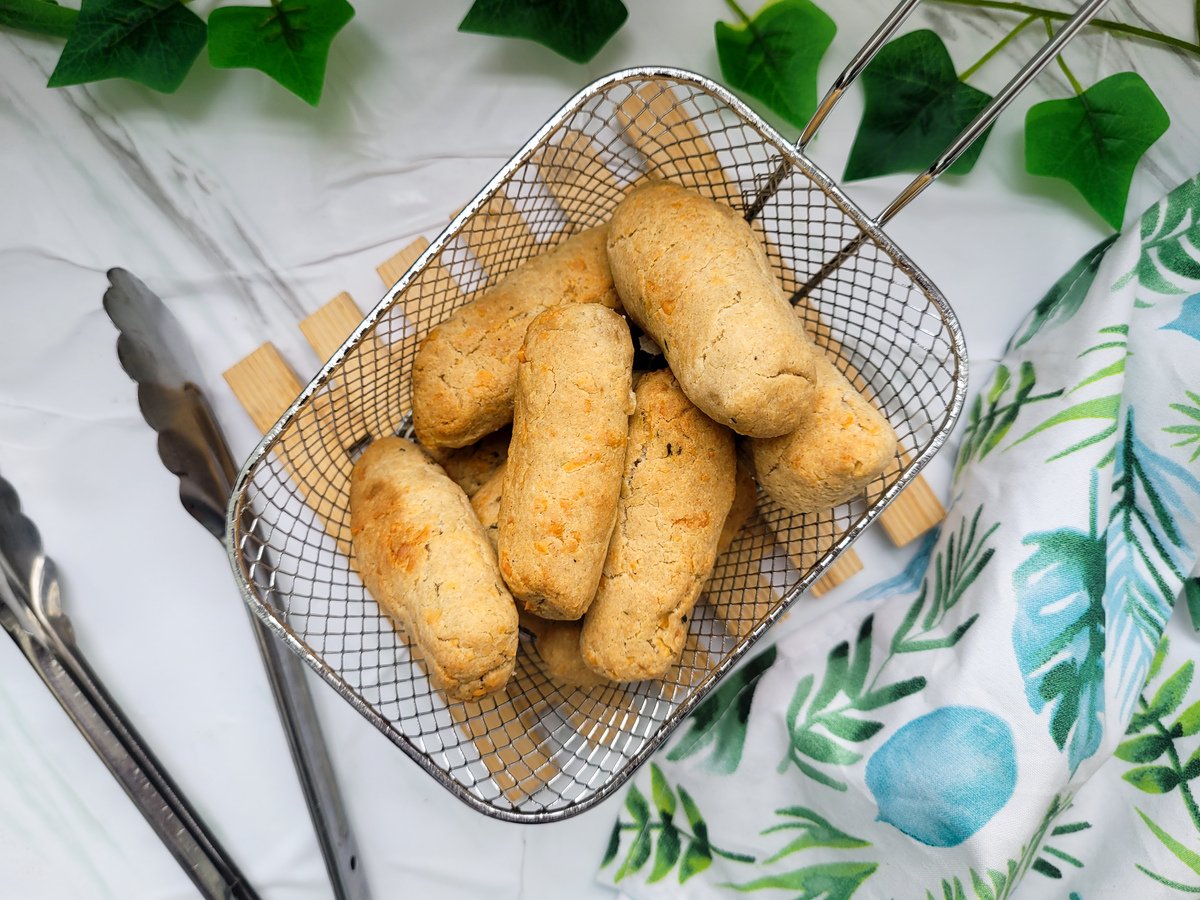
[1018, 712]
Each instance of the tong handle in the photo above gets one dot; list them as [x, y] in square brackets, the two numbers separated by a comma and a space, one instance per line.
[75, 686]
[293, 700]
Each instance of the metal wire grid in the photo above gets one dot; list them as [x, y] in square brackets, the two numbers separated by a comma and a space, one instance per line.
[539, 751]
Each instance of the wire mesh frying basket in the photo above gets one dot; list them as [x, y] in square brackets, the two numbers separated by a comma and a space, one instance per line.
[540, 751]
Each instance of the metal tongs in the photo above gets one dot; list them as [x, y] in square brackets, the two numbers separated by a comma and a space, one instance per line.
[31, 612]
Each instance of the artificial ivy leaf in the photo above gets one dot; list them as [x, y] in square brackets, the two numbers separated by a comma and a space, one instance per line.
[773, 57]
[1094, 141]
[289, 41]
[153, 42]
[576, 29]
[38, 16]
[915, 106]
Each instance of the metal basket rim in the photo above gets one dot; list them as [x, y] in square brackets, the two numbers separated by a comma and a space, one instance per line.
[269, 616]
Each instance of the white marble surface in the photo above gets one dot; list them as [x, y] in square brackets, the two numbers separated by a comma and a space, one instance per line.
[246, 210]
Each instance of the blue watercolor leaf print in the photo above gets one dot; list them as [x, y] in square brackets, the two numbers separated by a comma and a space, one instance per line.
[943, 776]
[1059, 634]
[910, 577]
[1188, 320]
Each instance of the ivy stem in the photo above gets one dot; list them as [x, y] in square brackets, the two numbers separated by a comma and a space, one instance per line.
[738, 11]
[1062, 63]
[1103, 24]
[1000, 46]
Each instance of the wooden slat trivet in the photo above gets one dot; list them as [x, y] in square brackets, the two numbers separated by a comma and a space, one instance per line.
[266, 385]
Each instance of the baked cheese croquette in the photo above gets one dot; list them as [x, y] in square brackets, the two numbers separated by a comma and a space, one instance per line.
[563, 475]
[469, 467]
[424, 557]
[465, 372]
[676, 494]
[841, 446]
[557, 642]
[696, 278]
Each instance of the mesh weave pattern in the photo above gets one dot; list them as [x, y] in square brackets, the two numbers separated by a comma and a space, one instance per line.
[540, 751]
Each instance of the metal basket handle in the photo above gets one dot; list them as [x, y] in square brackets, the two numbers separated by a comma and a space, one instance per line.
[958, 146]
[948, 156]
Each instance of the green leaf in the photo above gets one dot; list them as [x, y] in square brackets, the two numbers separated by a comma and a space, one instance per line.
[797, 702]
[836, 671]
[1181, 853]
[982, 890]
[696, 859]
[915, 105]
[774, 56]
[637, 806]
[1188, 722]
[576, 29]
[890, 693]
[667, 853]
[614, 844]
[722, 718]
[822, 749]
[288, 41]
[692, 813]
[1160, 655]
[1043, 867]
[849, 729]
[1191, 587]
[664, 797]
[1171, 693]
[857, 674]
[817, 775]
[153, 42]
[1063, 300]
[38, 17]
[1191, 769]
[816, 831]
[1094, 140]
[1152, 779]
[1070, 828]
[829, 881]
[639, 853]
[1143, 749]
[1179, 886]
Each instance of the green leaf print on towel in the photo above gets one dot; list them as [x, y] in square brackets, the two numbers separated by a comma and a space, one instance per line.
[819, 727]
[1154, 743]
[988, 425]
[1000, 883]
[662, 837]
[1064, 298]
[1169, 262]
[1106, 408]
[1190, 429]
[721, 720]
[1059, 633]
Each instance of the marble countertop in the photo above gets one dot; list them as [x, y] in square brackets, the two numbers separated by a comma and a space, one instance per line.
[247, 210]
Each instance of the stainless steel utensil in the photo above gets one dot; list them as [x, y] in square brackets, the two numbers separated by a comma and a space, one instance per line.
[541, 752]
[155, 353]
[31, 612]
